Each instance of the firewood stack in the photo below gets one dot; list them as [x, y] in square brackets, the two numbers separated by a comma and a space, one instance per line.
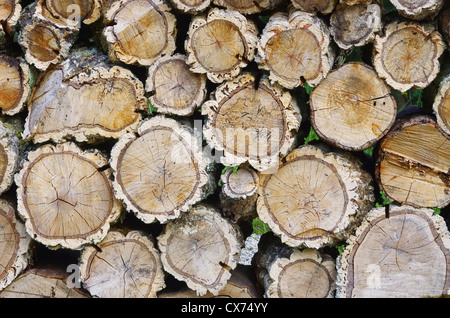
[143, 142]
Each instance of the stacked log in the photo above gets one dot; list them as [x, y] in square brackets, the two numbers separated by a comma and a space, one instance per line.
[224, 148]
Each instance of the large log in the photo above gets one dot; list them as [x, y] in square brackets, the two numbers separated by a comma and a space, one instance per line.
[407, 54]
[251, 121]
[295, 49]
[403, 254]
[418, 10]
[122, 265]
[65, 196]
[220, 44]
[138, 31]
[352, 108]
[413, 163]
[160, 171]
[201, 248]
[85, 98]
[14, 245]
[316, 197]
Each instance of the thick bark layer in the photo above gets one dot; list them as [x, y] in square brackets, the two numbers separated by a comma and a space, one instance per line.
[418, 9]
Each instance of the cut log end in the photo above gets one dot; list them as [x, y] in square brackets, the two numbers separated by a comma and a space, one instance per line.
[14, 244]
[248, 6]
[122, 266]
[235, 114]
[315, 198]
[71, 13]
[352, 108]
[441, 106]
[191, 6]
[200, 248]
[176, 178]
[418, 10]
[413, 162]
[295, 49]
[9, 14]
[403, 255]
[315, 6]
[175, 89]
[123, 38]
[220, 44]
[407, 55]
[65, 196]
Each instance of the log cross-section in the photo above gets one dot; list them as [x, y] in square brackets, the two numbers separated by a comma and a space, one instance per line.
[160, 171]
[65, 196]
[441, 105]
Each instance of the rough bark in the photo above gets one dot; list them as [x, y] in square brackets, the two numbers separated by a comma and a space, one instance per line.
[176, 174]
[418, 10]
[43, 283]
[295, 49]
[316, 197]
[9, 14]
[65, 196]
[200, 248]
[122, 266]
[9, 155]
[14, 245]
[249, 6]
[191, 6]
[239, 193]
[413, 163]
[139, 31]
[315, 6]
[355, 25]
[407, 55]
[250, 122]
[175, 89]
[441, 106]
[352, 108]
[85, 98]
[404, 254]
[220, 44]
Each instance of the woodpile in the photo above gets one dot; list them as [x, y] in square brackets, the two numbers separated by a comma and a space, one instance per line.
[224, 148]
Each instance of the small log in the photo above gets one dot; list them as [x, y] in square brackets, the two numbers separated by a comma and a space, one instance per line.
[352, 108]
[14, 245]
[441, 105]
[407, 55]
[200, 248]
[16, 82]
[413, 163]
[287, 272]
[220, 44]
[240, 285]
[43, 42]
[316, 197]
[122, 266]
[248, 6]
[175, 89]
[9, 14]
[9, 155]
[70, 13]
[138, 31]
[404, 254]
[190, 6]
[65, 196]
[418, 10]
[250, 122]
[160, 171]
[84, 98]
[315, 6]
[43, 283]
[239, 193]
[295, 49]
[355, 25]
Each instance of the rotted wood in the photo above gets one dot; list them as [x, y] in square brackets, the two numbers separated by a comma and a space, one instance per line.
[69, 100]
[251, 122]
[122, 265]
[316, 197]
[201, 248]
[352, 108]
[413, 163]
[138, 31]
[403, 254]
[65, 196]
[295, 48]
[220, 43]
